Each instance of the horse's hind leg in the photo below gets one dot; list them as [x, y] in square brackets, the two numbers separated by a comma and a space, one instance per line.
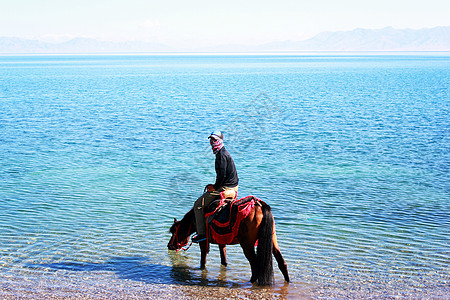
[223, 255]
[249, 252]
[280, 260]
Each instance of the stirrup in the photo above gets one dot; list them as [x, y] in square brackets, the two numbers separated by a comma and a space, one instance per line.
[199, 238]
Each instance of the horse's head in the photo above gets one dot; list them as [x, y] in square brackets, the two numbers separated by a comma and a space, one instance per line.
[180, 234]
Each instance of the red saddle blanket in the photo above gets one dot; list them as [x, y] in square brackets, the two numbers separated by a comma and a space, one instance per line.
[223, 223]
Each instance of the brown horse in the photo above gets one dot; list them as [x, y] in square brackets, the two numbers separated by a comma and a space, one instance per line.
[257, 226]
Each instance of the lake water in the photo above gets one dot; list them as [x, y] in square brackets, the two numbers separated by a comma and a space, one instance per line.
[99, 153]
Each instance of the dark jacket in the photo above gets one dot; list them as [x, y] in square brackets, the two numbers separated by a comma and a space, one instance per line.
[225, 170]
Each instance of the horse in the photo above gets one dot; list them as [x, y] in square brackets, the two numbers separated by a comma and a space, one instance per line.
[258, 227]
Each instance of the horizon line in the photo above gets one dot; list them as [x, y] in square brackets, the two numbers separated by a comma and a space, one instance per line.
[231, 53]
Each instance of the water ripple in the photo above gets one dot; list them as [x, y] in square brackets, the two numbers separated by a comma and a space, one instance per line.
[99, 155]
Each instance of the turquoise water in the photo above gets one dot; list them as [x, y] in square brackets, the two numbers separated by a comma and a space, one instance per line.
[99, 153]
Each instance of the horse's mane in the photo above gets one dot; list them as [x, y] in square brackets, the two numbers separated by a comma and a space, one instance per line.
[189, 216]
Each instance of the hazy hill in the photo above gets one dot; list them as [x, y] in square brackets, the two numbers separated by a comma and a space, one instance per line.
[77, 45]
[386, 39]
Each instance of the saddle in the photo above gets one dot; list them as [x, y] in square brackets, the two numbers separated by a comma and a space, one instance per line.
[225, 216]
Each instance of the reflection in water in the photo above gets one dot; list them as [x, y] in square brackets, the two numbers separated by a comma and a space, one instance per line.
[222, 273]
[183, 274]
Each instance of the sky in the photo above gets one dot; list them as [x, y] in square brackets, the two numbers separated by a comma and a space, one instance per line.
[210, 22]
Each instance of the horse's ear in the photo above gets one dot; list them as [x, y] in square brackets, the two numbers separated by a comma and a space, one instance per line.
[174, 220]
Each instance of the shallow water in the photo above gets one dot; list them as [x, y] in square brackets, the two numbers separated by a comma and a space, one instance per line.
[99, 153]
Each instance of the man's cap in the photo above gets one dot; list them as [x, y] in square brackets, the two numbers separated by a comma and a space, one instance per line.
[216, 135]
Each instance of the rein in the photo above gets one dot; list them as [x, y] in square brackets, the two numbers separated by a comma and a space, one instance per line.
[182, 245]
[185, 249]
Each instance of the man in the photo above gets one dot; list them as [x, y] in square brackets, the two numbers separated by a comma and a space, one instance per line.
[226, 180]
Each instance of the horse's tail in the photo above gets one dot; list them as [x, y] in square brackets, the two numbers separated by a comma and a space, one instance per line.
[265, 246]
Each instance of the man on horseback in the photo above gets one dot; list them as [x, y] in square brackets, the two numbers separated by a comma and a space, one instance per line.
[226, 181]
[250, 214]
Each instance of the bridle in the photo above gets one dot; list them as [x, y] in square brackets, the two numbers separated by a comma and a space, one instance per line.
[180, 244]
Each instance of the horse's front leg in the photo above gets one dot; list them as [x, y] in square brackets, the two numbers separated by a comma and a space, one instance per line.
[223, 255]
[204, 249]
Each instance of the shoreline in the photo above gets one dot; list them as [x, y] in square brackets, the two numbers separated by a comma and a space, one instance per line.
[106, 285]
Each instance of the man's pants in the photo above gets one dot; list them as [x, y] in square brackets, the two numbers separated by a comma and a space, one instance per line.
[204, 201]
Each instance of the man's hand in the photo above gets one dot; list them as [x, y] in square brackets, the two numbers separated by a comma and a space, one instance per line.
[210, 188]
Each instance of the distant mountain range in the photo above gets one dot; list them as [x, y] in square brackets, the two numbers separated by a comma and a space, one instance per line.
[77, 45]
[385, 39]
